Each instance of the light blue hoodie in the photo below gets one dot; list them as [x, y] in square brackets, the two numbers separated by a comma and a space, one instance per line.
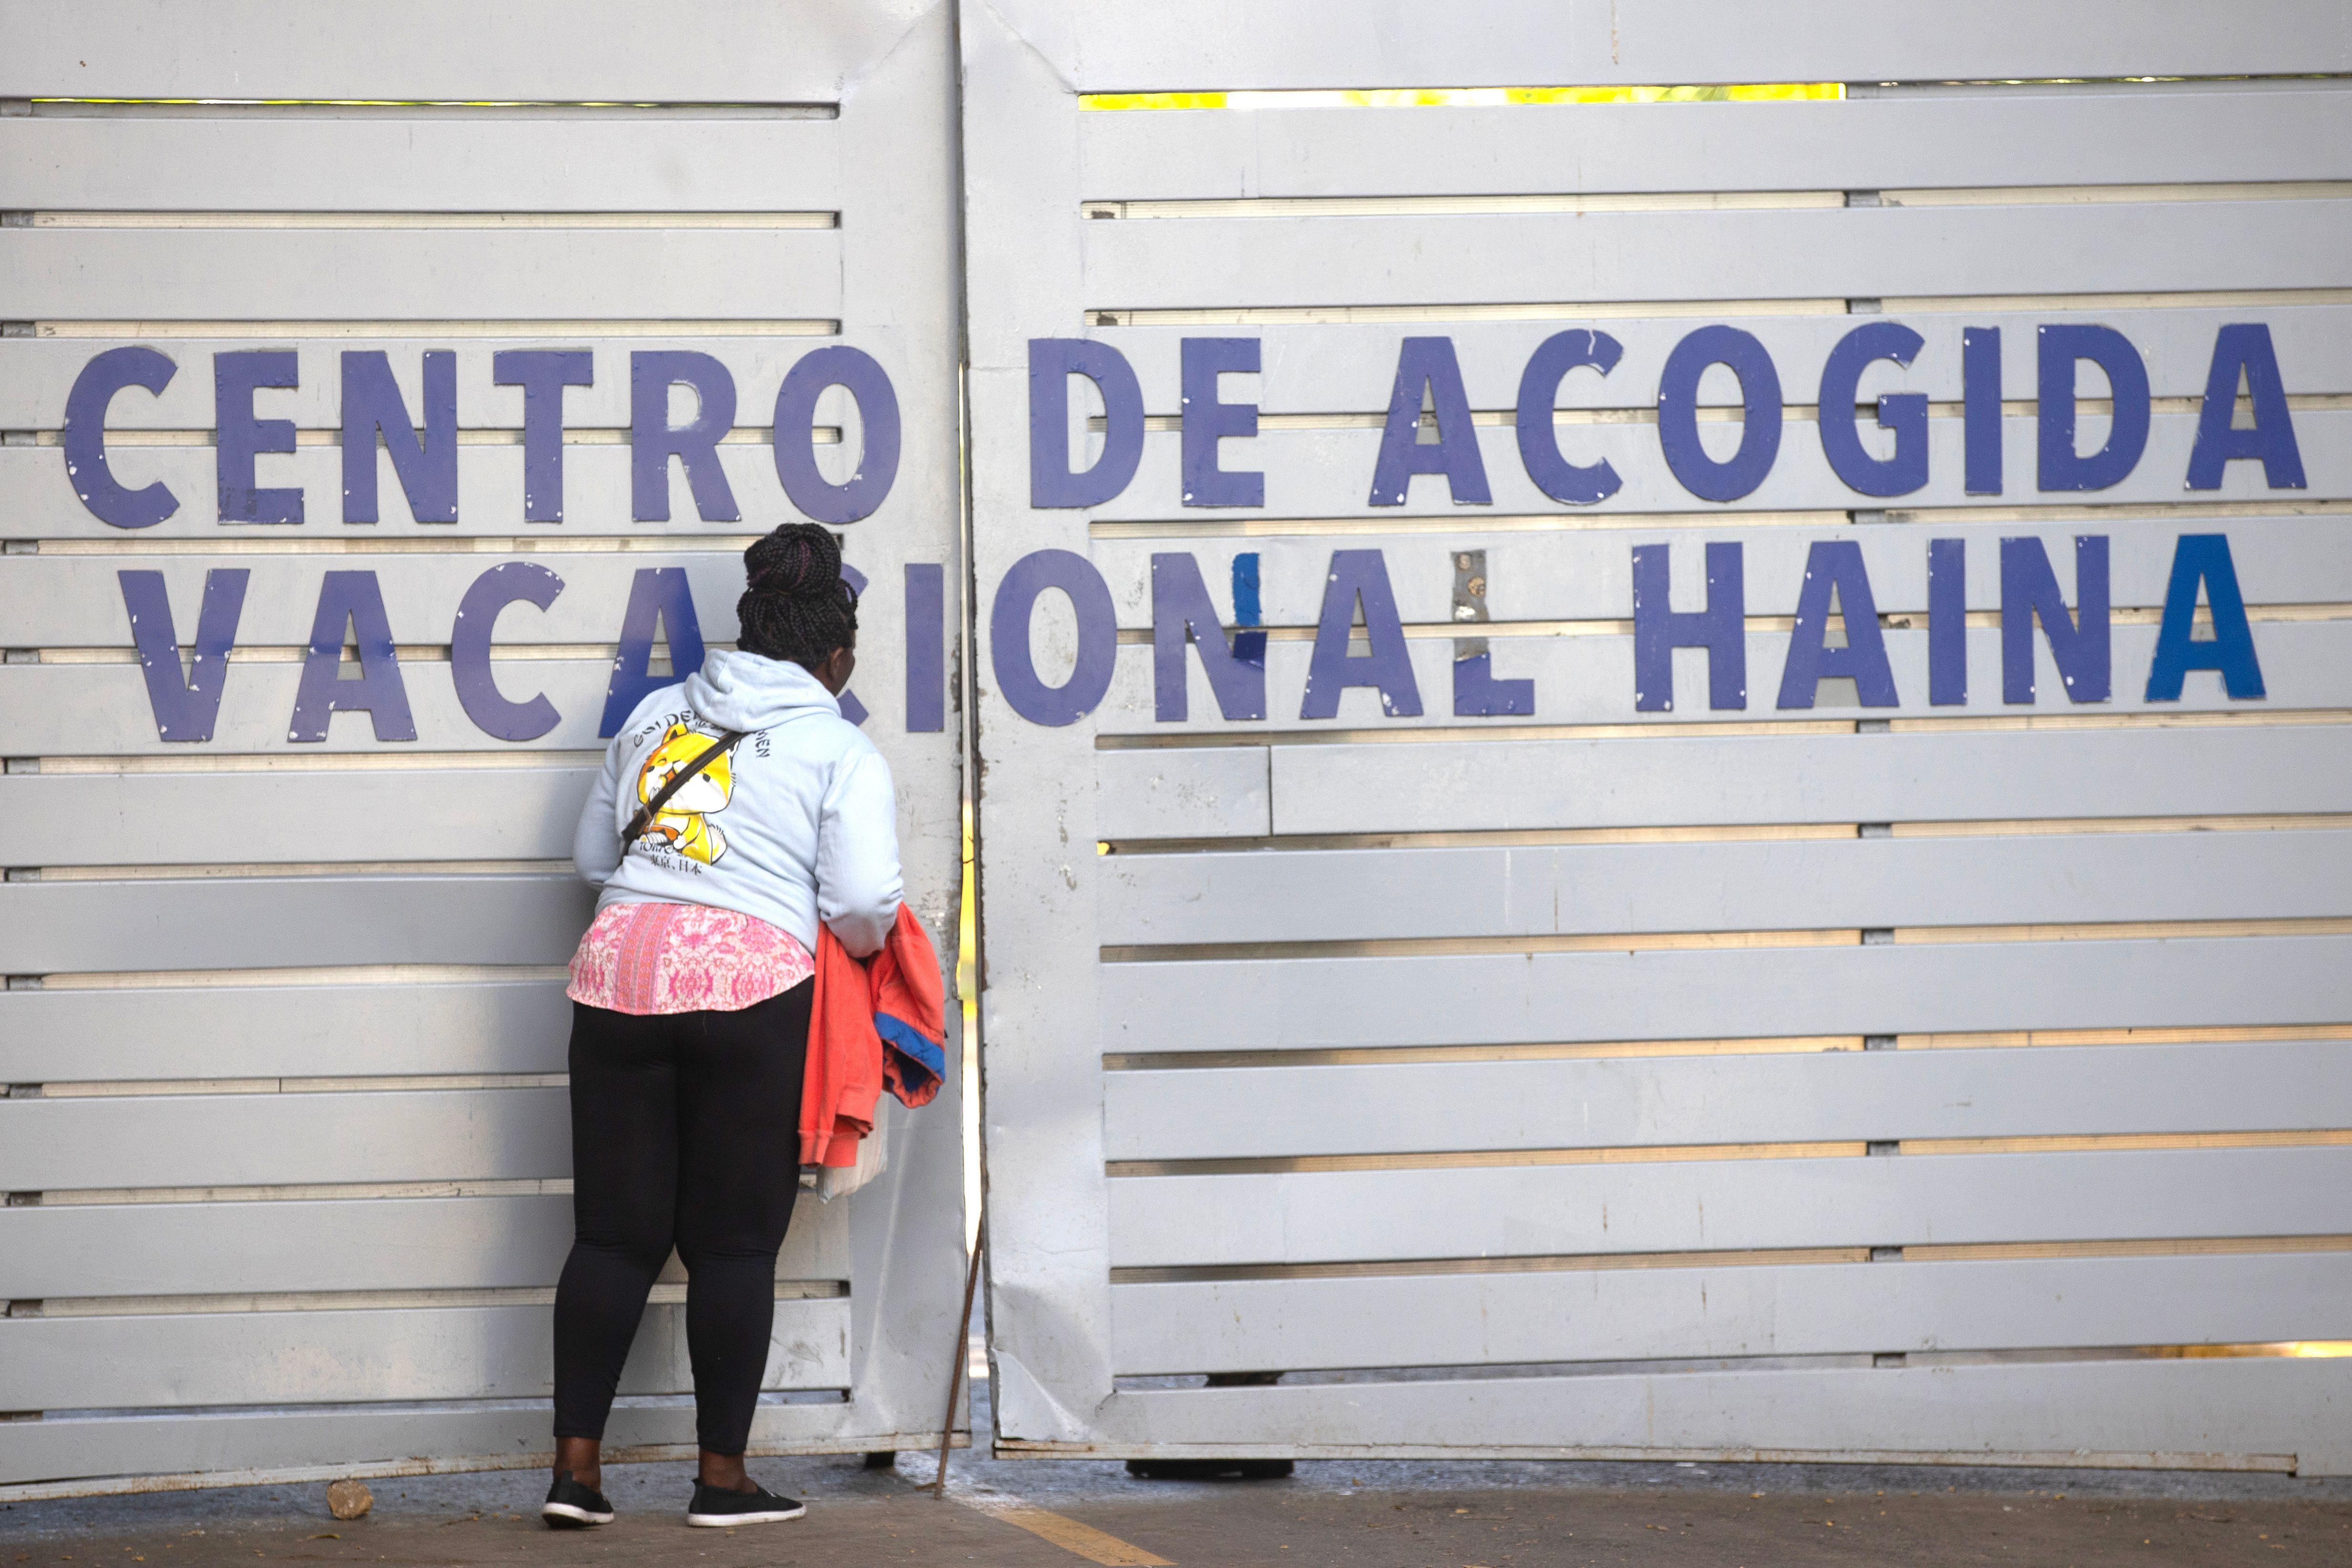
[799, 821]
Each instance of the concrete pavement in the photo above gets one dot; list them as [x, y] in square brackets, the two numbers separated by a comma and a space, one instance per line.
[1061, 1513]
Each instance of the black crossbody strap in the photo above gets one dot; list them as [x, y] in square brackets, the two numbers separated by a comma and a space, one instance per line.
[652, 809]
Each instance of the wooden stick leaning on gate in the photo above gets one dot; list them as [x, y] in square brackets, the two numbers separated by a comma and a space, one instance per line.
[962, 1354]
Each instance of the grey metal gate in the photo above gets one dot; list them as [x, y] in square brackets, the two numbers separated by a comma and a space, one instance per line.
[1665, 734]
[387, 394]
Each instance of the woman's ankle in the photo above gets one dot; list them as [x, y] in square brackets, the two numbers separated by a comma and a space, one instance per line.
[582, 1458]
[724, 1471]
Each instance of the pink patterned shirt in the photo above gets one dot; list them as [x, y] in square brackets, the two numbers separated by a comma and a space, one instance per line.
[645, 958]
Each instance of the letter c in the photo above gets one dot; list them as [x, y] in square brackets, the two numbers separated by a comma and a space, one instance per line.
[469, 651]
[1577, 484]
[85, 437]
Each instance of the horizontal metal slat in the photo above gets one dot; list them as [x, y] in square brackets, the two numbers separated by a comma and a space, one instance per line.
[537, 50]
[1914, 777]
[376, 1244]
[193, 1141]
[384, 1439]
[1490, 42]
[1126, 45]
[1878, 1095]
[1304, 1004]
[273, 922]
[313, 816]
[1176, 794]
[1262, 1220]
[295, 1358]
[1862, 144]
[2271, 1413]
[246, 273]
[1343, 895]
[147, 1034]
[1844, 253]
[529, 161]
[1699, 1311]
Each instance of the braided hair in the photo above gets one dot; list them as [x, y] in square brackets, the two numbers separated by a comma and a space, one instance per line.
[795, 605]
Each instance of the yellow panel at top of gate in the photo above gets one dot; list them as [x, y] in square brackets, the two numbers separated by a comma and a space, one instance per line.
[1470, 97]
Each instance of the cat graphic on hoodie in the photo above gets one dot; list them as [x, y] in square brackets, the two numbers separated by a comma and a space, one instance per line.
[683, 825]
[810, 813]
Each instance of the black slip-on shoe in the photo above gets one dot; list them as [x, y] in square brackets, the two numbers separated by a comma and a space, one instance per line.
[715, 1508]
[573, 1506]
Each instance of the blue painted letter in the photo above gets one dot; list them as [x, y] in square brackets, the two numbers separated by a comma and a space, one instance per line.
[2204, 559]
[1476, 693]
[469, 651]
[795, 434]
[1980, 409]
[1428, 364]
[543, 374]
[659, 602]
[1181, 613]
[84, 438]
[239, 437]
[1760, 428]
[2242, 350]
[1249, 642]
[926, 664]
[1948, 622]
[1207, 421]
[2061, 467]
[851, 707]
[1010, 654]
[1360, 576]
[427, 467]
[1905, 413]
[654, 441]
[1835, 570]
[1577, 484]
[1052, 363]
[1658, 629]
[185, 708]
[353, 599]
[2078, 643]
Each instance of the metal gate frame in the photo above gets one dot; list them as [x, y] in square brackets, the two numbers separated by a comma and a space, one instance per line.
[285, 1143]
[1166, 1199]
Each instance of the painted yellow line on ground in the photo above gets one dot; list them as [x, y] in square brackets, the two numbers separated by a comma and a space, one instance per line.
[1084, 1540]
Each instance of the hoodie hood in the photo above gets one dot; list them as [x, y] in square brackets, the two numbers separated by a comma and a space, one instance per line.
[747, 691]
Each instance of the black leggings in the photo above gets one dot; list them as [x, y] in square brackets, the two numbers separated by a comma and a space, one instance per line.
[684, 1130]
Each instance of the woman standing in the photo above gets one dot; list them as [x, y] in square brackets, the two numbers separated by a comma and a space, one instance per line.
[733, 812]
